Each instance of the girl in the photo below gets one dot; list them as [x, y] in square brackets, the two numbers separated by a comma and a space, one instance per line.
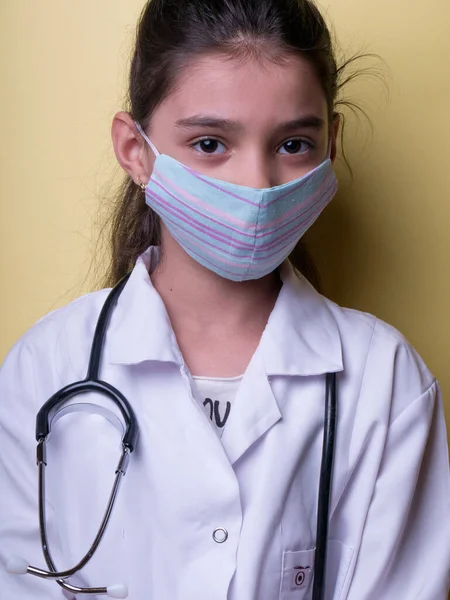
[223, 349]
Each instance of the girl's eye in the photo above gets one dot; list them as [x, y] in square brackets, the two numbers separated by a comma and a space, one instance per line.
[296, 147]
[208, 146]
[213, 146]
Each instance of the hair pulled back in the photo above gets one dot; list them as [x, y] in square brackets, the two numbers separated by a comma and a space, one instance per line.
[172, 32]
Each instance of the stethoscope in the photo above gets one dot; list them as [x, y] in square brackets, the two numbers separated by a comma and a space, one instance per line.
[56, 407]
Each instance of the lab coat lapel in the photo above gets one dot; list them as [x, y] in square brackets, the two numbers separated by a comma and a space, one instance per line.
[301, 339]
[254, 412]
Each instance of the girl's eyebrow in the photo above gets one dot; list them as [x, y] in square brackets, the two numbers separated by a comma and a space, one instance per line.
[307, 121]
[209, 121]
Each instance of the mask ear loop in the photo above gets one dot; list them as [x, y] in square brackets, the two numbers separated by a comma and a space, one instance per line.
[147, 139]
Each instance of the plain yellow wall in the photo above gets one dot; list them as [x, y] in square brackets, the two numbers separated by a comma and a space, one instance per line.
[383, 245]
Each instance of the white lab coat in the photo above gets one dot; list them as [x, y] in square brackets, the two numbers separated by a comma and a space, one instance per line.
[389, 534]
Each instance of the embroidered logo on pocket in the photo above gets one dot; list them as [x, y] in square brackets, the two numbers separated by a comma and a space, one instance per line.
[297, 574]
[300, 577]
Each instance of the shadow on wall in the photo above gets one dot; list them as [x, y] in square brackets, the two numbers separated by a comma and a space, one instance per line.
[345, 249]
[370, 255]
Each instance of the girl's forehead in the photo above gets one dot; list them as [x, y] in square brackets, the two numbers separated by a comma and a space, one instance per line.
[246, 89]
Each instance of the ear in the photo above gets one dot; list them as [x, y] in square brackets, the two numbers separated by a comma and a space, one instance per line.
[130, 148]
[334, 130]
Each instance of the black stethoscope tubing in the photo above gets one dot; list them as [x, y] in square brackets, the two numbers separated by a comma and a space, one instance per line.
[92, 383]
[326, 472]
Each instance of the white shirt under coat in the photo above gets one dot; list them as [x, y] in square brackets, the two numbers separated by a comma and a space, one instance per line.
[389, 535]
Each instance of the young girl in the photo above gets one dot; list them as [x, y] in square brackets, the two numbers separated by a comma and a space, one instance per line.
[226, 353]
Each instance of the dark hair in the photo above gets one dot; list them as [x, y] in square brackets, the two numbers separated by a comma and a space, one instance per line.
[171, 32]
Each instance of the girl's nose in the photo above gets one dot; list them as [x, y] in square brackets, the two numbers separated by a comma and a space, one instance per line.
[256, 174]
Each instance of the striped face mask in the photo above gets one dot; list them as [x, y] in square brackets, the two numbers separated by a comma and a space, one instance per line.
[238, 232]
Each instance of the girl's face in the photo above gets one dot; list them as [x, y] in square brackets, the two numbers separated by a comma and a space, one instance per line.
[251, 122]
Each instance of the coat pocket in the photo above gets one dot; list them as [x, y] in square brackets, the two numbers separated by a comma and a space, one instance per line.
[298, 572]
[297, 575]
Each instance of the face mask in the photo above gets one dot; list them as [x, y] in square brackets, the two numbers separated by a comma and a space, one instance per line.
[238, 232]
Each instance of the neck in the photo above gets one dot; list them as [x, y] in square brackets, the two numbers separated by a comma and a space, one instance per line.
[199, 299]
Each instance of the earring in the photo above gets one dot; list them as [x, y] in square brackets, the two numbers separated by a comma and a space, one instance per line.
[141, 185]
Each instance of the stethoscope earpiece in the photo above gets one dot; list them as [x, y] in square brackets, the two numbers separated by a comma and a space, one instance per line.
[17, 565]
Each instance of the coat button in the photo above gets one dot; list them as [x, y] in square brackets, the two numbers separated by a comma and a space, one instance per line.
[220, 535]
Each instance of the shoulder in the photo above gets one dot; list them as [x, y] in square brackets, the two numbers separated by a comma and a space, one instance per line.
[82, 313]
[387, 362]
[58, 338]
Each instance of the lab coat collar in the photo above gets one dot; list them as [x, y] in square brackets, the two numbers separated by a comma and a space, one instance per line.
[140, 327]
[301, 336]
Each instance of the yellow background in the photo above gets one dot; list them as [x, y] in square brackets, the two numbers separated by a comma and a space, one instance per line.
[382, 246]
